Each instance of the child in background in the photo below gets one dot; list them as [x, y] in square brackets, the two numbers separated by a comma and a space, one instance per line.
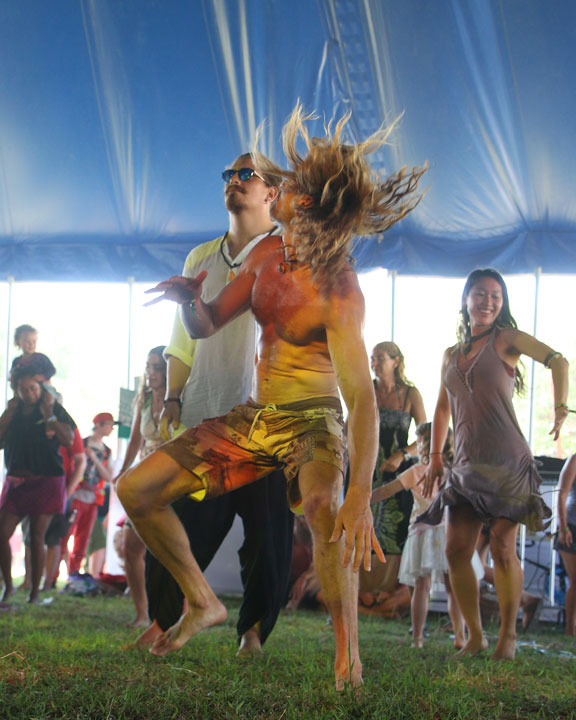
[25, 338]
[424, 564]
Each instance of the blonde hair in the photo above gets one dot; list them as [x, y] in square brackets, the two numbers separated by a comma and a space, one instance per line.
[348, 197]
[393, 351]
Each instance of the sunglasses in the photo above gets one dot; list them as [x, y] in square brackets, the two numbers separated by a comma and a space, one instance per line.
[243, 173]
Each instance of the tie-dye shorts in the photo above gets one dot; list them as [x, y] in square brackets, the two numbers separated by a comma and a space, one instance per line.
[252, 440]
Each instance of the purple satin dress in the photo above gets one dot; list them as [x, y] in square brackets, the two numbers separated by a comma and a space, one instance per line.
[493, 469]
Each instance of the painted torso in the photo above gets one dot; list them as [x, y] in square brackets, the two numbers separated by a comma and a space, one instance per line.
[293, 361]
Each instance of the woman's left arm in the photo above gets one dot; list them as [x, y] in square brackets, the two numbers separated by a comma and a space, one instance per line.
[63, 431]
[523, 344]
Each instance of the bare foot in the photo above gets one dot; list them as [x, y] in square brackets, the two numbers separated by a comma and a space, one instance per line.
[531, 612]
[191, 623]
[250, 644]
[473, 647]
[147, 638]
[8, 591]
[141, 622]
[350, 679]
[505, 648]
[417, 643]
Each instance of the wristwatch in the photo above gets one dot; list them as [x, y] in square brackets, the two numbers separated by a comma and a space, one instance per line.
[406, 455]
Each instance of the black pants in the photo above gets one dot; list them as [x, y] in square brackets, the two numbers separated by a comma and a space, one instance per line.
[265, 555]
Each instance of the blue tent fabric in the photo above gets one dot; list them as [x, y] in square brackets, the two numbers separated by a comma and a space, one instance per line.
[116, 120]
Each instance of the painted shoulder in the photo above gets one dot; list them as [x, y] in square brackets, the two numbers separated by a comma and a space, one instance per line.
[261, 251]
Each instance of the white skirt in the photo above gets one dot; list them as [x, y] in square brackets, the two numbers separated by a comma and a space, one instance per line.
[425, 554]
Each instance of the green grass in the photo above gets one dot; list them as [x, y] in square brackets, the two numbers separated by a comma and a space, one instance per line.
[66, 660]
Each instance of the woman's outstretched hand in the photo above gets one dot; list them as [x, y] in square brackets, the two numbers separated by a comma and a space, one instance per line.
[560, 414]
[432, 478]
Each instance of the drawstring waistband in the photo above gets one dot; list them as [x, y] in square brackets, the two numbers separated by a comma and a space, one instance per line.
[318, 404]
[269, 406]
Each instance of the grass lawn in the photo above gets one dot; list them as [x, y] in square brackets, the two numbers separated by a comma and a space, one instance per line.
[67, 660]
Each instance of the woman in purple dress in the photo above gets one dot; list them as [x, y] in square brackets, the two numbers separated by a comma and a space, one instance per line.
[493, 478]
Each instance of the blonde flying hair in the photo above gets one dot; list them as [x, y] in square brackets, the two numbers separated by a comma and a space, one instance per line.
[348, 197]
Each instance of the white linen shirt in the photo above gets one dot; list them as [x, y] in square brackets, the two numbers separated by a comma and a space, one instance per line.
[221, 366]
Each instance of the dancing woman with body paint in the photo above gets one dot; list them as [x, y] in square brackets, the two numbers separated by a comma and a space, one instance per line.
[493, 478]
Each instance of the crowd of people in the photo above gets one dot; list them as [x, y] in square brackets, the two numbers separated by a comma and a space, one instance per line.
[216, 435]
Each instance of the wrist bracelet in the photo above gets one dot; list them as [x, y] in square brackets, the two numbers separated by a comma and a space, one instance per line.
[560, 405]
[549, 357]
[435, 453]
[172, 399]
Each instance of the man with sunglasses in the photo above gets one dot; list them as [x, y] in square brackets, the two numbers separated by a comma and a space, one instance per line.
[205, 379]
[307, 301]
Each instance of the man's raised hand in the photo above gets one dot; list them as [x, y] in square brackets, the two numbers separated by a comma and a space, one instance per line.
[179, 289]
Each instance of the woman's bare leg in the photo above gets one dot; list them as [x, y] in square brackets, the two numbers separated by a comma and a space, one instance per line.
[569, 560]
[508, 580]
[419, 608]
[456, 616]
[8, 524]
[461, 538]
[134, 552]
[38, 525]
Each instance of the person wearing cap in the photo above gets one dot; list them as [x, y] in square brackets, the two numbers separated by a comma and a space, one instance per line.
[89, 494]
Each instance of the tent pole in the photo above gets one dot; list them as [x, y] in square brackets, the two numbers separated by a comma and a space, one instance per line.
[8, 336]
[130, 282]
[393, 274]
[7, 355]
[537, 273]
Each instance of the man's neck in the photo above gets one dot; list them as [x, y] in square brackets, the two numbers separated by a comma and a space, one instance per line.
[244, 228]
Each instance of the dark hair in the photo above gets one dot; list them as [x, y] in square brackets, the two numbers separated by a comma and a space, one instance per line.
[504, 319]
[22, 372]
[20, 330]
[158, 350]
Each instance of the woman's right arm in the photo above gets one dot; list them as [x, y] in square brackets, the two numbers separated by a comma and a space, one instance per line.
[566, 481]
[6, 418]
[134, 443]
[440, 424]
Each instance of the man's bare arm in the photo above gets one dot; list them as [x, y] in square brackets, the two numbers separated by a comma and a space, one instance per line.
[346, 346]
[202, 319]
